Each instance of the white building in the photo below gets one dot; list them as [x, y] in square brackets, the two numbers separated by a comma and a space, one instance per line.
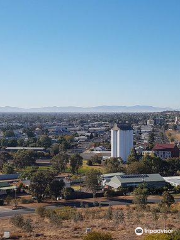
[121, 141]
[176, 121]
[150, 122]
[174, 180]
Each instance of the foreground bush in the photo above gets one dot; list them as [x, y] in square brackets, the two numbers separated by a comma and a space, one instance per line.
[98, 236]
[41, 211]
[173, 236]
[55, 219]
[18, 221]
[26, 201]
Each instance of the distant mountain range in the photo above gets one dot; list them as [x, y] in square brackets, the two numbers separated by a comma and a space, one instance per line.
[96, 109]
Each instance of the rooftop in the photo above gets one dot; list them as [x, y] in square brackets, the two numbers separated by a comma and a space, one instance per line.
[25, 148]
[116, 181]
[123, 127]
[158, 147]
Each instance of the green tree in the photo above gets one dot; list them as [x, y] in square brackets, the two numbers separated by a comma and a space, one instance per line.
[4, 157]
[30, 133]
[56, 187]
[27, 173]
[40, 184]
[4, 142]
[96, 159]
[59, 162]
[133, 157]
[21, 142]
[151, 140]
[65, 143]
[137, 168]
[54, 149]
[8, 168]
[141, 195]
[113, 165]
[64, 146]
[45, 141]
[173, 166]
[12, 143]
[156, 165]
[9, 133]
[76, 161]
[67, 193]
[93, 181]
[24, 158]
[167, 199]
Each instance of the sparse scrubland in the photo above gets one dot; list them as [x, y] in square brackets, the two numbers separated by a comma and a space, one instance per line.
[105, 223]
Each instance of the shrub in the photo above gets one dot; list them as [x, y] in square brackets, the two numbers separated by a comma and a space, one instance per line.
[119, 216]
[27, 225]
[8, 199]
[78, 217]
[26, 201]
[176, 235]
[41, 211]
[66, 213]
[98, 236]
[109, 213]
[109, 193]
[67, 193]
[55, 219]
[89, 162]
[173, 236]
[1, 202]
[158, 236]
[18, 221]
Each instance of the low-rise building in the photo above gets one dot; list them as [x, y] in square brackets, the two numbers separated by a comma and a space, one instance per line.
[165, 151]
[134, 180]
[174, 180]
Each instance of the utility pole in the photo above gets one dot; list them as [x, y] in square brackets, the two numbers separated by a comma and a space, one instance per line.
[15, 190]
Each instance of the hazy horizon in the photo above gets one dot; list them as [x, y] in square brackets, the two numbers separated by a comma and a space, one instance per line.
[94, 109]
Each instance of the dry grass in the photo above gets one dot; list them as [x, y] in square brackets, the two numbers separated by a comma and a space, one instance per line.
[173, 135]
[94, 218]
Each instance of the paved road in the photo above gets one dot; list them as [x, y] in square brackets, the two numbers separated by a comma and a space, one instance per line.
[6, 212]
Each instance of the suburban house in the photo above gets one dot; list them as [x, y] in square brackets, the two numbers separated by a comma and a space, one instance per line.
[126, 181]
[165, 151]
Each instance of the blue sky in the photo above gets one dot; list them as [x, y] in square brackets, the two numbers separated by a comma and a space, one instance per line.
[89, 53]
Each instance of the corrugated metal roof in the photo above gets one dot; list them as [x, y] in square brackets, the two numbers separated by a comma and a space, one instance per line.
[4, 184]
[116, 181]
[159, 147]
[112, 174]
[175, 180]
[8, 176]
